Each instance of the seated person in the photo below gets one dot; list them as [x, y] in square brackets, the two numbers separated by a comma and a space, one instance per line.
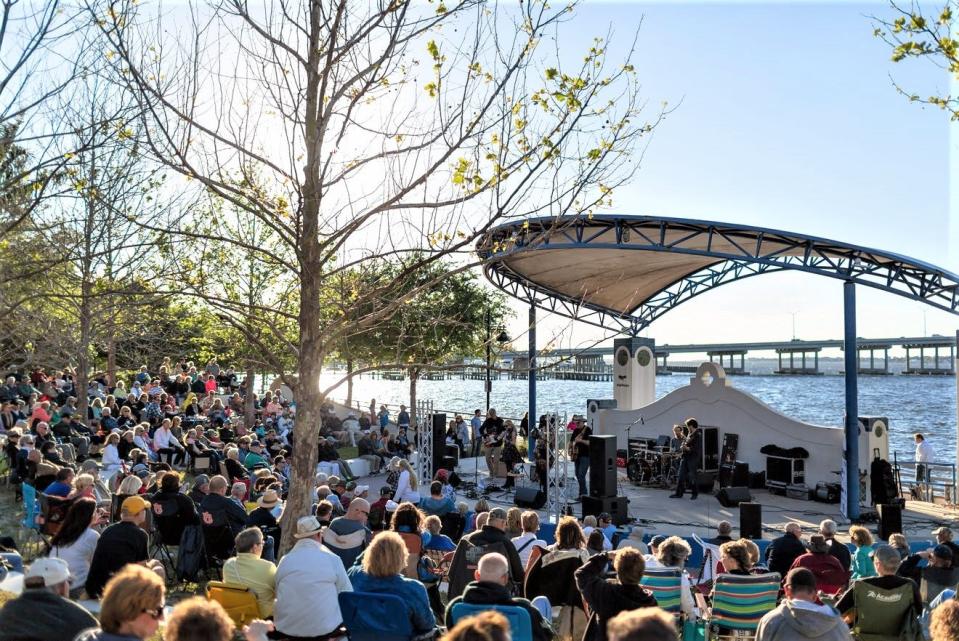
[172, 510]
[256, 458]
[438, 541]
[44, 612]
[887, 585]
[121, 543]
[250, 569]
[799, 615]
[218, 510]
[63, 484]
[382, 572]
[606, 598]
[831, 578]
[491, 587]
[436, 503]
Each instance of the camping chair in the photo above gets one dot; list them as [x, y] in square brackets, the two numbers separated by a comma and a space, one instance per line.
[31, 514]
[931, 589]
[710, 566]
[371, 616]
[53, 511]
[239, 601]
[666, 584]
[739, 602]
[168, 525]
[67, 452]
[520, 625]
[219, 544]
[414, 549]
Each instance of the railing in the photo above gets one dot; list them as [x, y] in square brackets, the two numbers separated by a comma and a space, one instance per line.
[938, 476]
[362, 406]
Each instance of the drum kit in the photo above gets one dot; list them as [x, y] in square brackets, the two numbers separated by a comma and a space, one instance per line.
[652, 462]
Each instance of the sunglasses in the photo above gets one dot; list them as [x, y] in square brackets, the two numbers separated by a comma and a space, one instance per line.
[156, 614]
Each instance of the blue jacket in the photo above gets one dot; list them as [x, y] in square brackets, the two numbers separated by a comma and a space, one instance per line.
[412, 592]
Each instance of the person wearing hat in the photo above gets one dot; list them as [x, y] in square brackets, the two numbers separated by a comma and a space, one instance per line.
[121, 543]
[944, 537]
[651, 559]
[43, 612]
[831, 577]
[309, 579]
[264, 516]
[492, 538]
[256, 458]
[201, 487]
[886, 561]
[939, 572]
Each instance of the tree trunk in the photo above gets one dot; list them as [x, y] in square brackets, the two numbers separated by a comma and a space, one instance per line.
[83, 353]
[349, 382]
[111, 358]
[249, 409]
[414, 374]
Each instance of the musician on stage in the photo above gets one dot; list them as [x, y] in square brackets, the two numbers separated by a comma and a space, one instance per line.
[492, 432]
[579, 452]
[692, 454]
[544, 458]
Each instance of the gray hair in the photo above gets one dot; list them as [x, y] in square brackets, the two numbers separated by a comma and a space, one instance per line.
[828, 527]
[673, 552]
[249, 538]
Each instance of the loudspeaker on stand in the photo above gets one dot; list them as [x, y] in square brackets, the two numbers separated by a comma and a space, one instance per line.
[751, 520]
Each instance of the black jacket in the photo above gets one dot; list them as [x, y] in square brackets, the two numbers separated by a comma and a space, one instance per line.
[464, 564]
[782, 552]
[41, 615]
[841, 552]
[605, 598]
[121, 543]
[489, 593]
[222, 511]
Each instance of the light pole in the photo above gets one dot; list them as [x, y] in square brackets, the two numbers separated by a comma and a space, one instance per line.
[501, 338]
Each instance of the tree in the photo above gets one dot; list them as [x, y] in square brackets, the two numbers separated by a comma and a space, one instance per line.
[380, 130]
[913, 35]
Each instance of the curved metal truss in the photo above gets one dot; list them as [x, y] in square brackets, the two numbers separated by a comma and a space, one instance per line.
[744, 251]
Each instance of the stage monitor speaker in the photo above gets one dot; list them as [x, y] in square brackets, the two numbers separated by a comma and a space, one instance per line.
[890, 520]
[439, 441]
[530, 497]
[733, 496]
[751, 520]
[616, 506]
[602, 466]
[448, 463]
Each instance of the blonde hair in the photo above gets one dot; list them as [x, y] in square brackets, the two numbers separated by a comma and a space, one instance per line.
[233, 453]
[386, 555]
[131, 591]
[113, 439]
[673, 552]
[83, 481]
[738, 552]
[860, 536]
[434, 524]
[530, 520]
[485, 626]
[944, 625]
[514, 517]
[130, 485]
[753, 550]
[405, 465]
[898, 540]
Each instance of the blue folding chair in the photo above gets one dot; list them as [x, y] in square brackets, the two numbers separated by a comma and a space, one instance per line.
[14, 560]
[520, 625]
[30, 509]
[371, 616]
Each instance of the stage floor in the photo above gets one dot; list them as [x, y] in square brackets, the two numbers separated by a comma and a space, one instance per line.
[656, 513]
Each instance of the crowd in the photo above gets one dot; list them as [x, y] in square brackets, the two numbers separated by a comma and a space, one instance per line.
[169, 480]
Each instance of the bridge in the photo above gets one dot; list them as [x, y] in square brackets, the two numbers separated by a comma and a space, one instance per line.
[925, 355]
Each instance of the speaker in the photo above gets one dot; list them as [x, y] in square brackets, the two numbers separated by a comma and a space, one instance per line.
[710, 449]
[730, 448]
[602, 466]
[448, 463]
[890, 520]
[740, 474]
[530, 497]
[616, 506]
[751, 520]
[733, 496]
[439, 441]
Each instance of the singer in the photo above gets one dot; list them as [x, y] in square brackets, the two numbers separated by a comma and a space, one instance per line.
[692, 455]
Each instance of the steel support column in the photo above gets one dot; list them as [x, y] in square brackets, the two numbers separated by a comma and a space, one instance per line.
[533, 417]
[852, 401]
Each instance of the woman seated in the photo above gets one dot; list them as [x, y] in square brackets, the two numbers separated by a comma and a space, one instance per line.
[734, 555]
[76, 540]
[234, 469]
[131, 608]
[382, 572]
[550, 573]
[756, 567]
[672, 553]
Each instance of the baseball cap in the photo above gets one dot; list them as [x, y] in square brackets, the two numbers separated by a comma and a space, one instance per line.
[604, 517]
[134, 505]
[51, 570]
[497, 513]
[360, 489]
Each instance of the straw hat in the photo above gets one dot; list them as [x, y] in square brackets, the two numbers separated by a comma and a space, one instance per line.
[307, 526]
[269, 499]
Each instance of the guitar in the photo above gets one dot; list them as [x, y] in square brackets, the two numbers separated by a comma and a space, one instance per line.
[573, 451]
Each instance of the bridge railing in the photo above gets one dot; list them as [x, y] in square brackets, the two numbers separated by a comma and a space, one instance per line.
[938, 479]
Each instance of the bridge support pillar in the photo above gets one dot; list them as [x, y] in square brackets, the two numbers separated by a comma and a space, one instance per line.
[851, 423]
[533, 416]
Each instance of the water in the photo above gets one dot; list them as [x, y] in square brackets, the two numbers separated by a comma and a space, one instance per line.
[911, 403]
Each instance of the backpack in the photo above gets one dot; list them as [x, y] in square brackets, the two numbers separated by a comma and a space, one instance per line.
[466, 559]
[191, 557]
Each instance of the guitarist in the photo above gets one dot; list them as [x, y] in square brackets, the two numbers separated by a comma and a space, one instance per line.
[692, 454]
[492, 432]
[579, 451]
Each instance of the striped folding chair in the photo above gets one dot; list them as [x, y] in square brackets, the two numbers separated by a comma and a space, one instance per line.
[739, 602]
[666, 584]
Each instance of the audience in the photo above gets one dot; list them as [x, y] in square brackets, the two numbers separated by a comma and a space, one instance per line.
[673, 553]
[486, 626]
[783, 551]
[525, 542]
[76, 541]
[944, 625]
[839, 550]
[491, 538]
[647, 624]
[886, 594]
[800, 616]
[605, 598]
[131, 608]
[347, 536]
[437, 503]
[551, 574]
[217, 510]
[827, 570]
[120, 544]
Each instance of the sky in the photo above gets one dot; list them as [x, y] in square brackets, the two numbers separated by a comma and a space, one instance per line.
[785, 117]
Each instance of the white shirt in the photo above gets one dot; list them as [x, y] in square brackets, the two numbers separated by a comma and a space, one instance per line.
[607, 545]
[925, 452]
[78, 556]
[308, 580]
[162, 439]
[404, 492]
[111, 458]
[524, 539]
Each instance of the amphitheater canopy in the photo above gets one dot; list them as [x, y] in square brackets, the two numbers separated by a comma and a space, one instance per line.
[623, 272]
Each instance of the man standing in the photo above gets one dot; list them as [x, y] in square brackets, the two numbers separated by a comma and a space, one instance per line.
[492, 431]
[579, 448]
[692, 455]
[308, 580]
[783, 551]
[925, 455]
[491, 587]
[403, 418]
[799, 616]
[44, 612]
[476, 438]
[348, 535]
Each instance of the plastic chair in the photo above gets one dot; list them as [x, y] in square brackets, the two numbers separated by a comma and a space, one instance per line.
[371, 616]
[239, 601]
[30, 510]
[520, 625]
[666, 584]
[739, 602]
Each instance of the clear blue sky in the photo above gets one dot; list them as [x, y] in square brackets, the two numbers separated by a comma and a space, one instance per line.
[788, 119]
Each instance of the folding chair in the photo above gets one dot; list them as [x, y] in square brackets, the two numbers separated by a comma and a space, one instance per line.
[239, 601]
[372, 616]
[219, 545]
[520, 625]
[739, 602]
[666, 584]
[67, 452]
